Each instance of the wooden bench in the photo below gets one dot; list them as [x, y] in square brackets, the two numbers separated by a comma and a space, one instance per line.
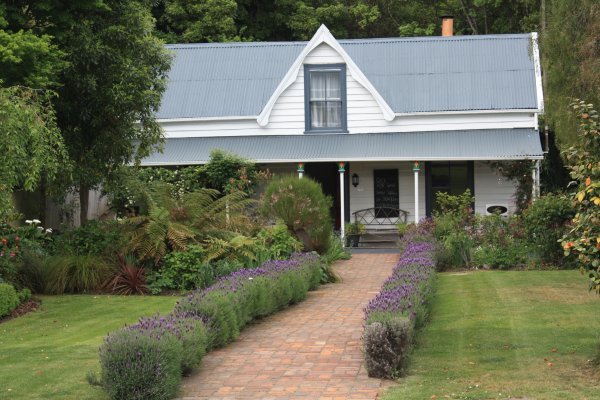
[380, 216]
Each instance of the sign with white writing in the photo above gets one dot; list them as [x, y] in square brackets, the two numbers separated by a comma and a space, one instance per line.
[386, 192]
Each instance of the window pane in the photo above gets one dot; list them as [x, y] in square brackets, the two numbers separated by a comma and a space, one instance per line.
[440, 176]
[318, 111]
[318, 85]
[333, 85]
[334, 114]
[458, 179]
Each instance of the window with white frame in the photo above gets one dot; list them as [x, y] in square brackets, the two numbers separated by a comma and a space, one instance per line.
[325, 98]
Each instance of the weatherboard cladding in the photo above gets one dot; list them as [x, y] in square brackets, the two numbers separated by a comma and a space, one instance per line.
[491, 72]
[485, 144]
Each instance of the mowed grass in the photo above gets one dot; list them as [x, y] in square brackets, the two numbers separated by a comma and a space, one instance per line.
[498, 335]
[46, 354]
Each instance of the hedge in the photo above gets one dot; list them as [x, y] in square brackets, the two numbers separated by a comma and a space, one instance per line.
[146, 360]
[400, 307]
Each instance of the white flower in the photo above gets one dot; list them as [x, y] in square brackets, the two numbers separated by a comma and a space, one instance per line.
[28, 221]
[41, 228]
[49, 230]
[250, 278]
[37, 221]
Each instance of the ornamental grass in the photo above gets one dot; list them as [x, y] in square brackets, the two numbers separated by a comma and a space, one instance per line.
[146, 360]
[400, 307]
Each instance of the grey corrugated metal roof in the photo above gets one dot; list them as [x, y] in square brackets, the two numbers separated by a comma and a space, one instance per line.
[484, 144]
[488, 72]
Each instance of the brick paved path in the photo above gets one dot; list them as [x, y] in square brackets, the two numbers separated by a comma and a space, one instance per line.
[309, 351]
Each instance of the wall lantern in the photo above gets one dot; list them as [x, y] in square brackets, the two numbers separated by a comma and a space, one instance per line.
[355, 180]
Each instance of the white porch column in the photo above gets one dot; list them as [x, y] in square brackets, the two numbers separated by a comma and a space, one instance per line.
[300, 170]
[416, 168]
[342, 170]
[535, 177]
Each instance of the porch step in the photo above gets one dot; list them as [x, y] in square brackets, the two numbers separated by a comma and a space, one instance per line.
[379, 240]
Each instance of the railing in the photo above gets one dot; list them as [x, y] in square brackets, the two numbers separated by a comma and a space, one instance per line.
[380, 216]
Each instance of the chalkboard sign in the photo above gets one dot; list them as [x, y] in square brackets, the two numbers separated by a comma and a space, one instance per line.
[386, 192]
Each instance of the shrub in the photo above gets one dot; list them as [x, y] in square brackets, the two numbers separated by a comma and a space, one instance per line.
[24, 295]
[33, 271]
[279, 242]
[545, 222]
[303, 208]
[182, 270]
[139, 363]
[336, 251]
[76, 273]
[189, 330]
[129, 278]
[146, 359]
[499, 242]
[387, 346]
[9, 299]
[238, 298]
[400, 307]
[582, 240]
[95, 237]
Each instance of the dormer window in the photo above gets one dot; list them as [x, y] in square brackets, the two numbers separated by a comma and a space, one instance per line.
[325, 98]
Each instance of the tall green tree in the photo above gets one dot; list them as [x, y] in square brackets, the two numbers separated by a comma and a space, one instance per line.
[193, 21]
[31, 148]
[570, 48]
[112, 85]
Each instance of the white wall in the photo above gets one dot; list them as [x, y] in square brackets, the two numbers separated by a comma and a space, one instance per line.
[492, 188]
[364, 114]
[362, 196]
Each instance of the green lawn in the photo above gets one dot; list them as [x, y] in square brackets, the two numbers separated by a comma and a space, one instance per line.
[46, 354]
[493, 334]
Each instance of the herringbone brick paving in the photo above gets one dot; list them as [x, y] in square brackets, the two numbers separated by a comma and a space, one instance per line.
[312, 350]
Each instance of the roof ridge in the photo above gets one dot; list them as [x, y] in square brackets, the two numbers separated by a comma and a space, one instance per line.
[351, 41]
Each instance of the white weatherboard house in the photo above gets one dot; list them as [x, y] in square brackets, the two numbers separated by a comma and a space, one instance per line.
[383, 124]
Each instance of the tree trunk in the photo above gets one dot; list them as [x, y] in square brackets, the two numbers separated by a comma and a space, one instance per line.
[84, 200]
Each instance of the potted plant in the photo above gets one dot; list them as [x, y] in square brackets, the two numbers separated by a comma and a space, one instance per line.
[353, 232]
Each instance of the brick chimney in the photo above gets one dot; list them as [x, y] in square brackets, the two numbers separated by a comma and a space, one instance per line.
[447, 25]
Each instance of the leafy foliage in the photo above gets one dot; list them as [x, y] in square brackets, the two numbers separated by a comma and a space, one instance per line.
[583, 240]
[571, 63]
[545, 222]
[129, 278]
[31, 148]
[9, 299]
[302, 206]
[76, 273]
[183, 271]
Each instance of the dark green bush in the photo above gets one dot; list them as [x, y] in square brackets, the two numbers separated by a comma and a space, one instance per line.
[303, 208]
[76, 273]
[141, 365]
[500, 242]
[24, 295]
[545, 222]
[388, 341]
[95, 237]
[9, 299]
[182, 270]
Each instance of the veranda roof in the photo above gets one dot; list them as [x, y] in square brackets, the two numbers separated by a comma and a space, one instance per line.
[484, 144]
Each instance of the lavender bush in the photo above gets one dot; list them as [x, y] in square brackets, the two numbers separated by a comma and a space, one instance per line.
[400, 306]
[146, 360]
[244, 295]
[139, 363]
